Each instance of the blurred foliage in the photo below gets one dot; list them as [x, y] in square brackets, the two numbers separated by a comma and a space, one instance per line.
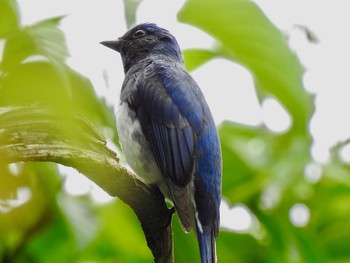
[245, 35]
[267, 172]
[130, 7]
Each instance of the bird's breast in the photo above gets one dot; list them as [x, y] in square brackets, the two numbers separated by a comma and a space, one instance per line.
[136, 147]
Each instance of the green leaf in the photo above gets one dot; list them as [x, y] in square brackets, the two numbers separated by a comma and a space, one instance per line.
[9, 17]
[194, 58]
[247, 152]
[242, 251]
[254, 42]
[53, 244]
[185, 245]
[42, 39]
[87, 103]
[35, 83]
[40, 182]
[120, 238]
[25, 85]
[330, 211]
[286, 242]
[130, 9]
[255, 159]
[49, 38]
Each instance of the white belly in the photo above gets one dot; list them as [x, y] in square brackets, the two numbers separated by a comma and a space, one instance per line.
[136, 148]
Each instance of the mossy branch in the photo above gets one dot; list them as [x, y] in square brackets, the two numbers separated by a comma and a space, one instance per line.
[46, 135]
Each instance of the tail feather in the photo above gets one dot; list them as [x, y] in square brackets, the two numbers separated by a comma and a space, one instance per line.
[180, 197]
[207, 246]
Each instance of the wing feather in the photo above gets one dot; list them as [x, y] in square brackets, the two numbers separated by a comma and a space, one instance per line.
[171, 137]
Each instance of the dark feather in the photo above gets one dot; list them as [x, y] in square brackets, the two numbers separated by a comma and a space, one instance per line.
[171, 136]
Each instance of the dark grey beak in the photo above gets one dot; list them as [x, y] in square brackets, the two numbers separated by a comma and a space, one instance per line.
[113, 44]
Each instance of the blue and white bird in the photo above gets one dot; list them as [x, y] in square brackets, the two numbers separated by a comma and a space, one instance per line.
[167, 131]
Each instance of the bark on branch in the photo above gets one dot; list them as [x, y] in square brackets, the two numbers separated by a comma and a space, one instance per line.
[45, 135]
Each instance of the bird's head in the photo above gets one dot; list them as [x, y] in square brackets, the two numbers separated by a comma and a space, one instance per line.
[142, 41]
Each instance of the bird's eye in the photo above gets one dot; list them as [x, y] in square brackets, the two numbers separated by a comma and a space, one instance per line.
[139, 33]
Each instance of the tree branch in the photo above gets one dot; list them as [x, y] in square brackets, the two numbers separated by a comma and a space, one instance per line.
[45, 135]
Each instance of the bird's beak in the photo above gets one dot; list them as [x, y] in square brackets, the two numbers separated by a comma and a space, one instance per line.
[113, 44]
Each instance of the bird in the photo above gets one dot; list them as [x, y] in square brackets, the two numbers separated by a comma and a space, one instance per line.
[167, 131]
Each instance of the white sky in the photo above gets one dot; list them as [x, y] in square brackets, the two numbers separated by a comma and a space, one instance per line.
[228, 87]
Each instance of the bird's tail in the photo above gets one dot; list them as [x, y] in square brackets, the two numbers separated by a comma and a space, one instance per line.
[207, 245]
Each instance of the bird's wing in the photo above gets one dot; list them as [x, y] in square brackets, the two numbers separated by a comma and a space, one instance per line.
[163, 99]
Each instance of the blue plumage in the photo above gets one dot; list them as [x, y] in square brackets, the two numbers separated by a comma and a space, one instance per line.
[167, 131]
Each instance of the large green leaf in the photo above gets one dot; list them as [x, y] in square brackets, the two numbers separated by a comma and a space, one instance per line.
[9, 18]
[35, 73]
[39, 83]
[44, 39]
[248, 37]
[41, 41]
